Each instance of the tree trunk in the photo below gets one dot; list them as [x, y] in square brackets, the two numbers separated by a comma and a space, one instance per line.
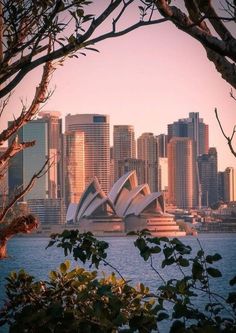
[22, 224]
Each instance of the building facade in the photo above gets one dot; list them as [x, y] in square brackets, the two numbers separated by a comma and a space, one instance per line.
[131, 164]
[96, 130]
[74, 180]
[230, 184]
[123, 146]
[24, 165]
[208, 175]
[147, 151]
[182, 180]
[194, 128]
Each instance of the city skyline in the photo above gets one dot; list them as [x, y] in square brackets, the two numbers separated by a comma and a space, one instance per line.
[146, 78]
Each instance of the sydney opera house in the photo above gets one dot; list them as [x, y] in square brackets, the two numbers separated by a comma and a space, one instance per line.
[127, 207]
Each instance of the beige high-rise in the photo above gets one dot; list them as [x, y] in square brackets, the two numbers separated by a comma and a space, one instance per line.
[182, 176]
[147, 151]
[96, 145]
[230, 184]
[123, 146]
[73, 166]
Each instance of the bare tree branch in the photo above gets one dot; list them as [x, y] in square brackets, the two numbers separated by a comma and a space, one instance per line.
[228, 139]
[18, 196]
[39, 98]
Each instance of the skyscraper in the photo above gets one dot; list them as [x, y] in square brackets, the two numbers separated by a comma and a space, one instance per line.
[96, 145]
[73, 166]
[162, 145]
[54, 122]
[230, 184]
[24, 165]
[46, 131]
[123, 145]
[131, 164]
[147, 151]
[194, 128]
[182, 180]
[162, 174]
[207, 166]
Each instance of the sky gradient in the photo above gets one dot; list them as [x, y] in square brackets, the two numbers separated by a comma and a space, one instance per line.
[148, 79]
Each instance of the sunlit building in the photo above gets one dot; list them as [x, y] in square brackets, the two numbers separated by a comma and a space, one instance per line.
[123, 146]
[182, 173]
[147, 151]
[96, 145]
[230, 184]
[194, 128]
[130, 164]
[162, 174]
[74, 183]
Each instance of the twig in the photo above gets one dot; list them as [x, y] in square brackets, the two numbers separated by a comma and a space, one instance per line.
[228, 139]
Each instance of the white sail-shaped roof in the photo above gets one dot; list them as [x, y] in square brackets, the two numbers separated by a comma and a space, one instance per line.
[125, 201]
[142, 203]
[92, 191]
[71, 213]
[103, 203]
[127, 181]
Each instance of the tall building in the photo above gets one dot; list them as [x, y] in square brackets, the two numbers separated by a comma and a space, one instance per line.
[52, 118]
[194, 128]
[24, 165]
[123, 145]
[162, 145]
[73, 166]
[230, 184]
[46, 131]
[162, 174]
[147, 151]
[221, 182]
[96, 145]
[131, 164]
[207, 166]
[182, 180]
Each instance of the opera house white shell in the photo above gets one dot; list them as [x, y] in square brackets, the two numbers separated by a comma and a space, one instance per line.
[128, 206]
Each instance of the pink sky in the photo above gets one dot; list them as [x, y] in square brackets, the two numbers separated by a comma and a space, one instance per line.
[148, 78]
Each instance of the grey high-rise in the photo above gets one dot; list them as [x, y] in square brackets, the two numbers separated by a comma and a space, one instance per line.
[207, 166]
[193, 128]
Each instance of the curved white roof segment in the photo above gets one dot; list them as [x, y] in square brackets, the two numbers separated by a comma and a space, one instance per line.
[71, 213]
[130, 178]
[98, 202]
[138, 207]
[92, 191]
[124, 203]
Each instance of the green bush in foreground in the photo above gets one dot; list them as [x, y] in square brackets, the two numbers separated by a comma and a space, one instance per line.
[78, 301]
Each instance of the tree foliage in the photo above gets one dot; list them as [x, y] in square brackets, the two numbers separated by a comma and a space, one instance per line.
[78, 301]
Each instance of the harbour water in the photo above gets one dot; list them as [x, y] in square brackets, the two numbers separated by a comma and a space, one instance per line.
[30, 254]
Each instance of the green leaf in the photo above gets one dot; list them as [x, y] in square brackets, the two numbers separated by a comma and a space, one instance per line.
[183, 262]
[214, 272]
[232, 282]
[53, 275]
[162, 315]
[63, 268]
